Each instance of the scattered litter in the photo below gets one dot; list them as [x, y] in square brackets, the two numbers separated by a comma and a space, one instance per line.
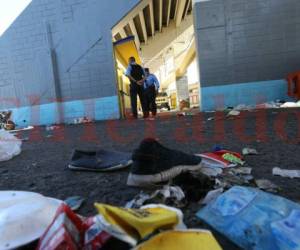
[24, 217]
[74, 202]
[82, 120]
[210, 118]
[169, 195]
[241, 170]
[51, 128]
[138, 201]
[233, 214]
[101, 160]
[95, 238]
[178, 240]
[230, 179]
[185, 114]
[243, 107]
[233, 158]
[10, 146]
[250, 151]
[191, 181]
[290, 105]
[248, 178]
[21, 129]
[211, 172]
[6, 122]
[234, 113]
[133, 225]
[267, 185]
[286, 173]
[64, 232]
[69, 231]
[268, 105]
[212, 195]
[221, 159]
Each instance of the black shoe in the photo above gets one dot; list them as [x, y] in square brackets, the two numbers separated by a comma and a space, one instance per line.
[100, 161]
[154, 163]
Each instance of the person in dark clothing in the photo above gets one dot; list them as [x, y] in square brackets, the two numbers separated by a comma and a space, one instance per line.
[137, 77]
[151, 86]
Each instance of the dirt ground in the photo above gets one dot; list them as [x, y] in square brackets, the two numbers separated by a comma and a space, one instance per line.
[41, 167]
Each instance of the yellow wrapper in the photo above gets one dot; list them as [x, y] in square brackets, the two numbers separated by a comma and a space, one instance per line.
[179, 240]
[140, 223]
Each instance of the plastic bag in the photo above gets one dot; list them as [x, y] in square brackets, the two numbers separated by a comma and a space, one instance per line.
[247, 215]
[10, 146]
[286, 173]
[94, 237]
[65, 232]
[70, 232]
[24, 217]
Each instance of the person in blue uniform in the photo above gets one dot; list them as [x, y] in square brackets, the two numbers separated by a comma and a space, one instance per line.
[137, 76]
[151, 87]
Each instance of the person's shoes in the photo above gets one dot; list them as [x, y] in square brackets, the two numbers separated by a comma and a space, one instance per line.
[146, 115]
[133, 117]
[153, 163]
[99, 161]
[149, 119]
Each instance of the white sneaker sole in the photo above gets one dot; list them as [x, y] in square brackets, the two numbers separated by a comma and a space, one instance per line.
[135, 180]
[117, 167]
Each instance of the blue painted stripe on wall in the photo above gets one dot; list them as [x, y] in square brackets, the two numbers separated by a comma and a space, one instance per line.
[99, 109]
[107, 108]
[250, 93]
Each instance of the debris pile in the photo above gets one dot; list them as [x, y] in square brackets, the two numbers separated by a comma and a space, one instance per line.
[6, 122]
[10, 146]
[220, 182]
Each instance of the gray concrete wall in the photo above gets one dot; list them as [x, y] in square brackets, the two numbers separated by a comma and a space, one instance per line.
[60, 49]
[247, 40]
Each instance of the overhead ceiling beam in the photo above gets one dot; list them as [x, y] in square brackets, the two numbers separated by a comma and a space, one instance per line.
[123, 33]
[118, 37]
[180, 11]
[186, 8]
[143, 4]
[143, 24]
[152, 17]
[183, 63]
[160, 14]
[162, 41]
[174, 4]
[168, 12]
[190, 7]
[134, 32]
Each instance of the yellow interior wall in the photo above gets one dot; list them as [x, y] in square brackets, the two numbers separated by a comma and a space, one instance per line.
[123, 52]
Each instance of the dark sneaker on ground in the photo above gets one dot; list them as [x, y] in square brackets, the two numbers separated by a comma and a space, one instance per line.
[101, 161]
[153, 163]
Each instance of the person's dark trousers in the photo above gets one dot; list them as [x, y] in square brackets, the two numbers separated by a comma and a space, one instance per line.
[135, 91]
[150, 100]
